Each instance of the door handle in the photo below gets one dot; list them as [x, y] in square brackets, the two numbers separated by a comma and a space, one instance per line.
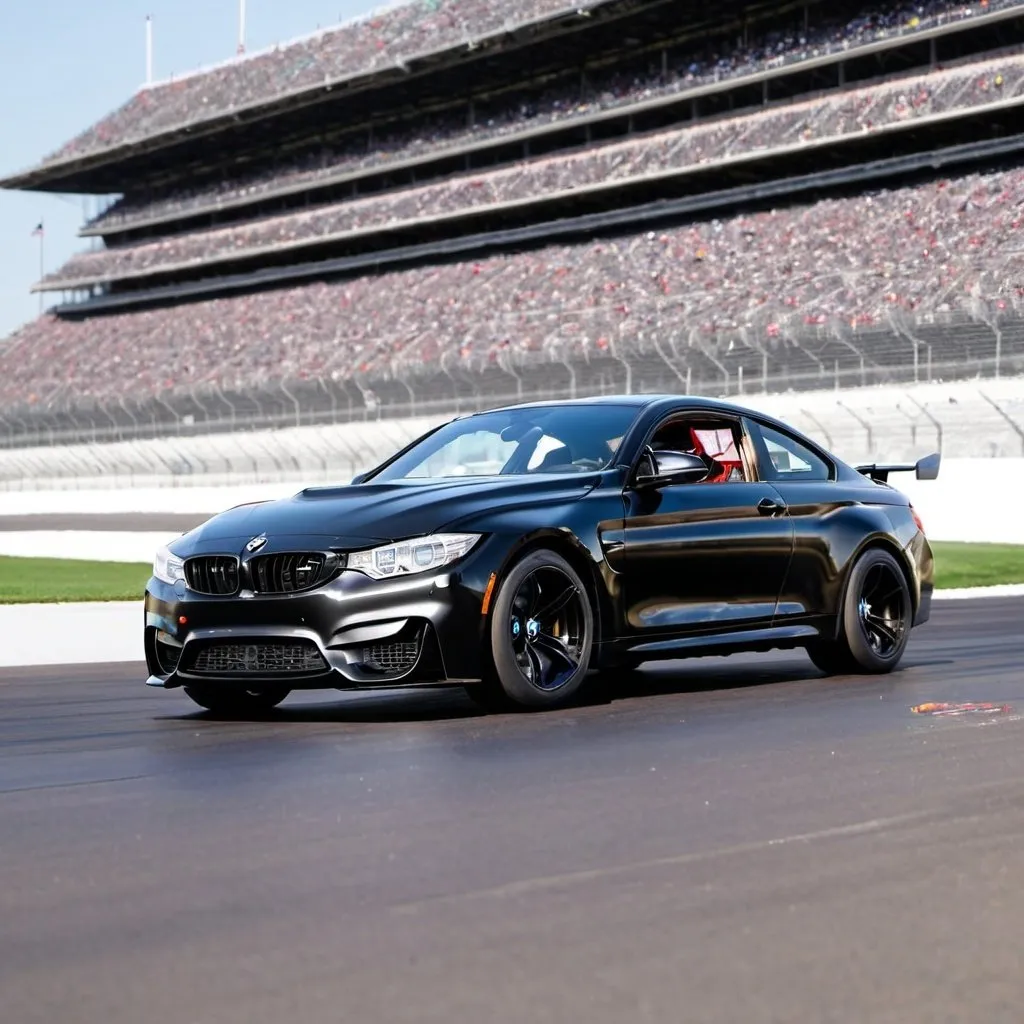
[771, 507]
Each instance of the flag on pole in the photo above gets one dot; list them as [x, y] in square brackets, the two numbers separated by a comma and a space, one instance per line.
[38, 232]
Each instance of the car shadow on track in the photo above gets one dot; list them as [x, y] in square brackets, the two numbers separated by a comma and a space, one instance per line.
[652, 680]
[672, 678]
[426, 705]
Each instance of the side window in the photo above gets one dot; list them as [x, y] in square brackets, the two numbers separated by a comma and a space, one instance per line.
[793, 460]
[717, 442]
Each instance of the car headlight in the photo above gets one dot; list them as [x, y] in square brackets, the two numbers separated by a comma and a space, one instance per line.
[409, 556]
[168, 567]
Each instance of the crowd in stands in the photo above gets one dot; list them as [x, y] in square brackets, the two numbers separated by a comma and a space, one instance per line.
[810, 122]
[604, 90]
[853, 261]
[391, 37]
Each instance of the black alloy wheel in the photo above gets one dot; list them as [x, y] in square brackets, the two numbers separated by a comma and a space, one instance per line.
[541, 633]
[547, 627]
[883, 609]
[225, 699]
[875, 619]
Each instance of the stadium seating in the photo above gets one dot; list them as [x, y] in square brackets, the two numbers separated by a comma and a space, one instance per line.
[390, 37]
[808, 123]
[797, 295]
[915, 283]
[604, 90]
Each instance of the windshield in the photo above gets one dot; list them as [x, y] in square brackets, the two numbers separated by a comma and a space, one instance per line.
[544, 439]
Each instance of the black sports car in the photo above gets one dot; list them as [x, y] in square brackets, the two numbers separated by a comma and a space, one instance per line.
[512, 551]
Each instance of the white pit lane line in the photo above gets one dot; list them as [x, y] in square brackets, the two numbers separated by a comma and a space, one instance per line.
[70, 634]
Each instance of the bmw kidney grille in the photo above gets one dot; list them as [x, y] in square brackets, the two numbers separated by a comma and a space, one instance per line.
[216, 575]
[287, 573]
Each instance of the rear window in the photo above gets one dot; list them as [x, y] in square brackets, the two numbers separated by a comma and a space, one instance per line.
[792, 460]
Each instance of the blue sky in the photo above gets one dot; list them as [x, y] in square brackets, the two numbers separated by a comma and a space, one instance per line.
[64, 64]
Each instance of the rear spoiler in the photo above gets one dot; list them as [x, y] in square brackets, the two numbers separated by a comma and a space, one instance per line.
[926, 469]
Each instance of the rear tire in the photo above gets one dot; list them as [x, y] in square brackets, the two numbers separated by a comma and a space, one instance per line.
[830, 657]
[874, 621]
[225, 700]
[541, 633]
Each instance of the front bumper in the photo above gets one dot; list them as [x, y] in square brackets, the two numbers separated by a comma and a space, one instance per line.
[351, 633]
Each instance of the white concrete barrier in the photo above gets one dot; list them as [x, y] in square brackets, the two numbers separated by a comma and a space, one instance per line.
[140, 499]
[973, 500]
[71, 634]
[91, 545]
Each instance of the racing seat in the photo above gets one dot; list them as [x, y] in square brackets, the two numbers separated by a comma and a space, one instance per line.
[719, 472]
[556, 458]
[688, 439]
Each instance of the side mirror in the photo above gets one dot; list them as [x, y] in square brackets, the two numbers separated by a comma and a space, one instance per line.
[662, 469]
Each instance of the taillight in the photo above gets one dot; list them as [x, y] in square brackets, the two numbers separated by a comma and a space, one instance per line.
[917, 519]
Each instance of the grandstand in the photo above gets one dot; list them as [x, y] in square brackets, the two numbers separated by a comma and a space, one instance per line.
[443, 205]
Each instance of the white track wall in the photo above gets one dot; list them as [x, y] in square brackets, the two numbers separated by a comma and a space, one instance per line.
[973, 499]
[979, 427]
[977, 419]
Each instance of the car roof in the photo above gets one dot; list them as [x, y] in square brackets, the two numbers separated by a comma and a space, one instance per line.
[667, 402]
[633, 401]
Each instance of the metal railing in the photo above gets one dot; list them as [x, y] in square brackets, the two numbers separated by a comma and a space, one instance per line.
[897, 423]
[756, 359]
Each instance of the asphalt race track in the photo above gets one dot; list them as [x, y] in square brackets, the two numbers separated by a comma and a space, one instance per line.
[735, 840]
[103, 522]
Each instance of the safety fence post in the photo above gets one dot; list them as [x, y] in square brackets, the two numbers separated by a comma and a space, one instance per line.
[1014, 425]
[866, 424]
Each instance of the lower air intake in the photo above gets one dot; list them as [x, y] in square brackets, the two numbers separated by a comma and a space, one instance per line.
[391, 658]
[167, 655]
[263, 658]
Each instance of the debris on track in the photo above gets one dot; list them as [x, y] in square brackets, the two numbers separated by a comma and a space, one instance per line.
[950, 710]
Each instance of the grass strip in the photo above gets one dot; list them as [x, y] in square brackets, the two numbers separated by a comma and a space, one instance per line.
[977, 565]
[51, 580]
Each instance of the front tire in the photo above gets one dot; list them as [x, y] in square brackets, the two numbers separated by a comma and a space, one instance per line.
[541, 633]
[875, 619]
[226, 700]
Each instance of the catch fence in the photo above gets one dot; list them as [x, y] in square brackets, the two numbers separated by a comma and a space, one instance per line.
[746, 363]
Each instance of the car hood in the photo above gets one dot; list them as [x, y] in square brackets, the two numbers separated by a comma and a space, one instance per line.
[361, 515]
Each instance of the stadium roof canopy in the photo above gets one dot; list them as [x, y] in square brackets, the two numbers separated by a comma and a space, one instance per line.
[415, 54]
[387, 45]
[394, 58]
